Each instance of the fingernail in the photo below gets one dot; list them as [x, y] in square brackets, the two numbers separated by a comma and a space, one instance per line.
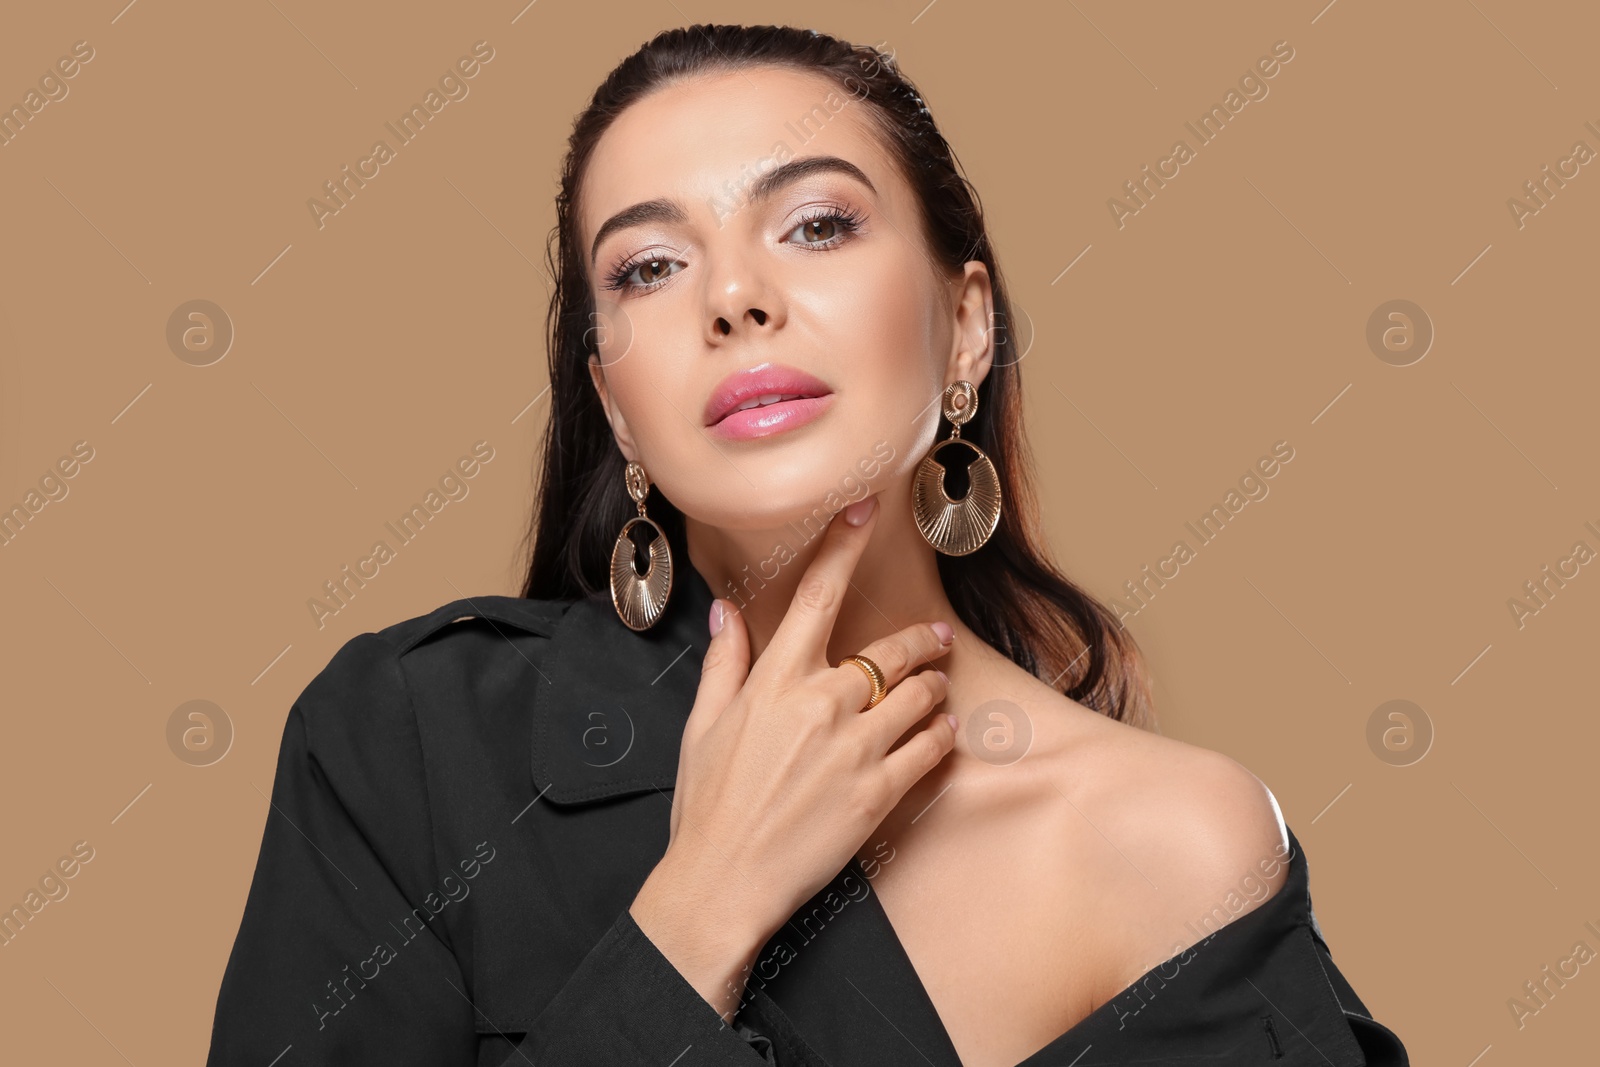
[953, 721]
[857, 513]
[946, 634]
[716, 617]
[943, 675]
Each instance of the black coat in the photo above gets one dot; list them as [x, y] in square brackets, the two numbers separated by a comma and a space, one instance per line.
[466, 804]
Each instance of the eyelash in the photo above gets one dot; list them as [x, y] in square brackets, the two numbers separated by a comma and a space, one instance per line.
[848, 219]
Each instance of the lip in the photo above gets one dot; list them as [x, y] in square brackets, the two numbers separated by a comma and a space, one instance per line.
[773, 418]
[768, 378]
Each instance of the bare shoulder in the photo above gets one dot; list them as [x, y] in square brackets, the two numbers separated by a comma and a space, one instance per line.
[1196, 816]
[1117, 848]
[1220, 826]
[1172, 832]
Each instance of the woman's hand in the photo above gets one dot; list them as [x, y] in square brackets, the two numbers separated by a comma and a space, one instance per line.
[781, 774]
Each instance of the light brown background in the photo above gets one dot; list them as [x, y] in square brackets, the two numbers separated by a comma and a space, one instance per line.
[1227, 315]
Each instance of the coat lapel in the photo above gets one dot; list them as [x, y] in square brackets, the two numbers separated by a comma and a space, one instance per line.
[843, 979]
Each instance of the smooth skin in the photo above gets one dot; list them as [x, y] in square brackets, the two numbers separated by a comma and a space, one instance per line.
[782, 776]
[1026, 894]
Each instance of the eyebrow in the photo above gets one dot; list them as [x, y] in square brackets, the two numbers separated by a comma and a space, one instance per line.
[670, 211]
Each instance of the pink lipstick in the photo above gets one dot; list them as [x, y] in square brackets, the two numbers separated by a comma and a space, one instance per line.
[765, 400]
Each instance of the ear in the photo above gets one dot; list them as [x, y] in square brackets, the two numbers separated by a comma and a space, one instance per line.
[619, 425]
[972, 348]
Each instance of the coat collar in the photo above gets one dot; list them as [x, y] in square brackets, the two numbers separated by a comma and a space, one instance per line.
[609, 716]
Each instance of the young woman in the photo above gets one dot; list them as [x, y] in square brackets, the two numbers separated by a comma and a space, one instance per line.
[796, 749]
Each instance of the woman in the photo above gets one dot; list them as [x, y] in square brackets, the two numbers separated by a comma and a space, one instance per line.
[820, 761]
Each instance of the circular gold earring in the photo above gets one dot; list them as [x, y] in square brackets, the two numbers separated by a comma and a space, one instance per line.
[640, 599]
[956, 527]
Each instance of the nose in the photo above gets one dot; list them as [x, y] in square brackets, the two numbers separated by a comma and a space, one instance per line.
[739, 299]
[722, 326]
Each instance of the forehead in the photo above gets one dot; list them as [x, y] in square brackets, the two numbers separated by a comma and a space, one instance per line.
[689, 139]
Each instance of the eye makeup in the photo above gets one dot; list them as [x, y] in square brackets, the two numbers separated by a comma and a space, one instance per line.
[845, 221]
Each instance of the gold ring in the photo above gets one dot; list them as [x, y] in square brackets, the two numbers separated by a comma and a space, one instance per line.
[880, 688]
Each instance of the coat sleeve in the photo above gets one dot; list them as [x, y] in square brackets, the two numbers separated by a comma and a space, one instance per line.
[336, 961]
[627, 1004]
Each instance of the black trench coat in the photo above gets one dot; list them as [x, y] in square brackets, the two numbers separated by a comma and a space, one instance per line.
[467, 802]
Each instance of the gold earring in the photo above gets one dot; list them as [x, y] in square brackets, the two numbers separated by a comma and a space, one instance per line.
[640, 599]
[956, 527]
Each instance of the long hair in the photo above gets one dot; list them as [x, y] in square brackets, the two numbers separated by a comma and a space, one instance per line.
[1008, 591]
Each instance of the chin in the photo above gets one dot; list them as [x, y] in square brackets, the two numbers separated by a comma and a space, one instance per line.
[798, 486]
[764, 509]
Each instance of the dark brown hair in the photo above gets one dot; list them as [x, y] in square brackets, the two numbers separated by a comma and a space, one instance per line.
[1008, 591]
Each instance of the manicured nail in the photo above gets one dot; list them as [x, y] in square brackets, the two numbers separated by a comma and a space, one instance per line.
[716, 617]
[943, 675]
[857, 513]
[946, 634]
[953, 721]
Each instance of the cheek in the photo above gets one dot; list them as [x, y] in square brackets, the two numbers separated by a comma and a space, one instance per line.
[610, 331]
[658, 392]
[878, 334]
[874, 315]
[649, 389]
[636, 350]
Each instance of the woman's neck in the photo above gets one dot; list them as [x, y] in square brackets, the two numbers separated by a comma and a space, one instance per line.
[895, 584]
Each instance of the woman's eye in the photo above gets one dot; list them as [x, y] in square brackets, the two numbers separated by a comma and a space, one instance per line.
[819, 231]
[649, 272]
[653, 270]
[827, 230]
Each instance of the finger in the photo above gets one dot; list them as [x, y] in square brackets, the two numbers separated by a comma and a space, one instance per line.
[725, 668]
[805, 627]
[905, 706]
[896, 655]
[921, 753]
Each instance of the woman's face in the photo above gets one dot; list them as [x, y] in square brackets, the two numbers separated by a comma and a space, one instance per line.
[822, 280]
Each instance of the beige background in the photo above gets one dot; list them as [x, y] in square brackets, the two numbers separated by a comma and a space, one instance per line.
[1230, 313]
